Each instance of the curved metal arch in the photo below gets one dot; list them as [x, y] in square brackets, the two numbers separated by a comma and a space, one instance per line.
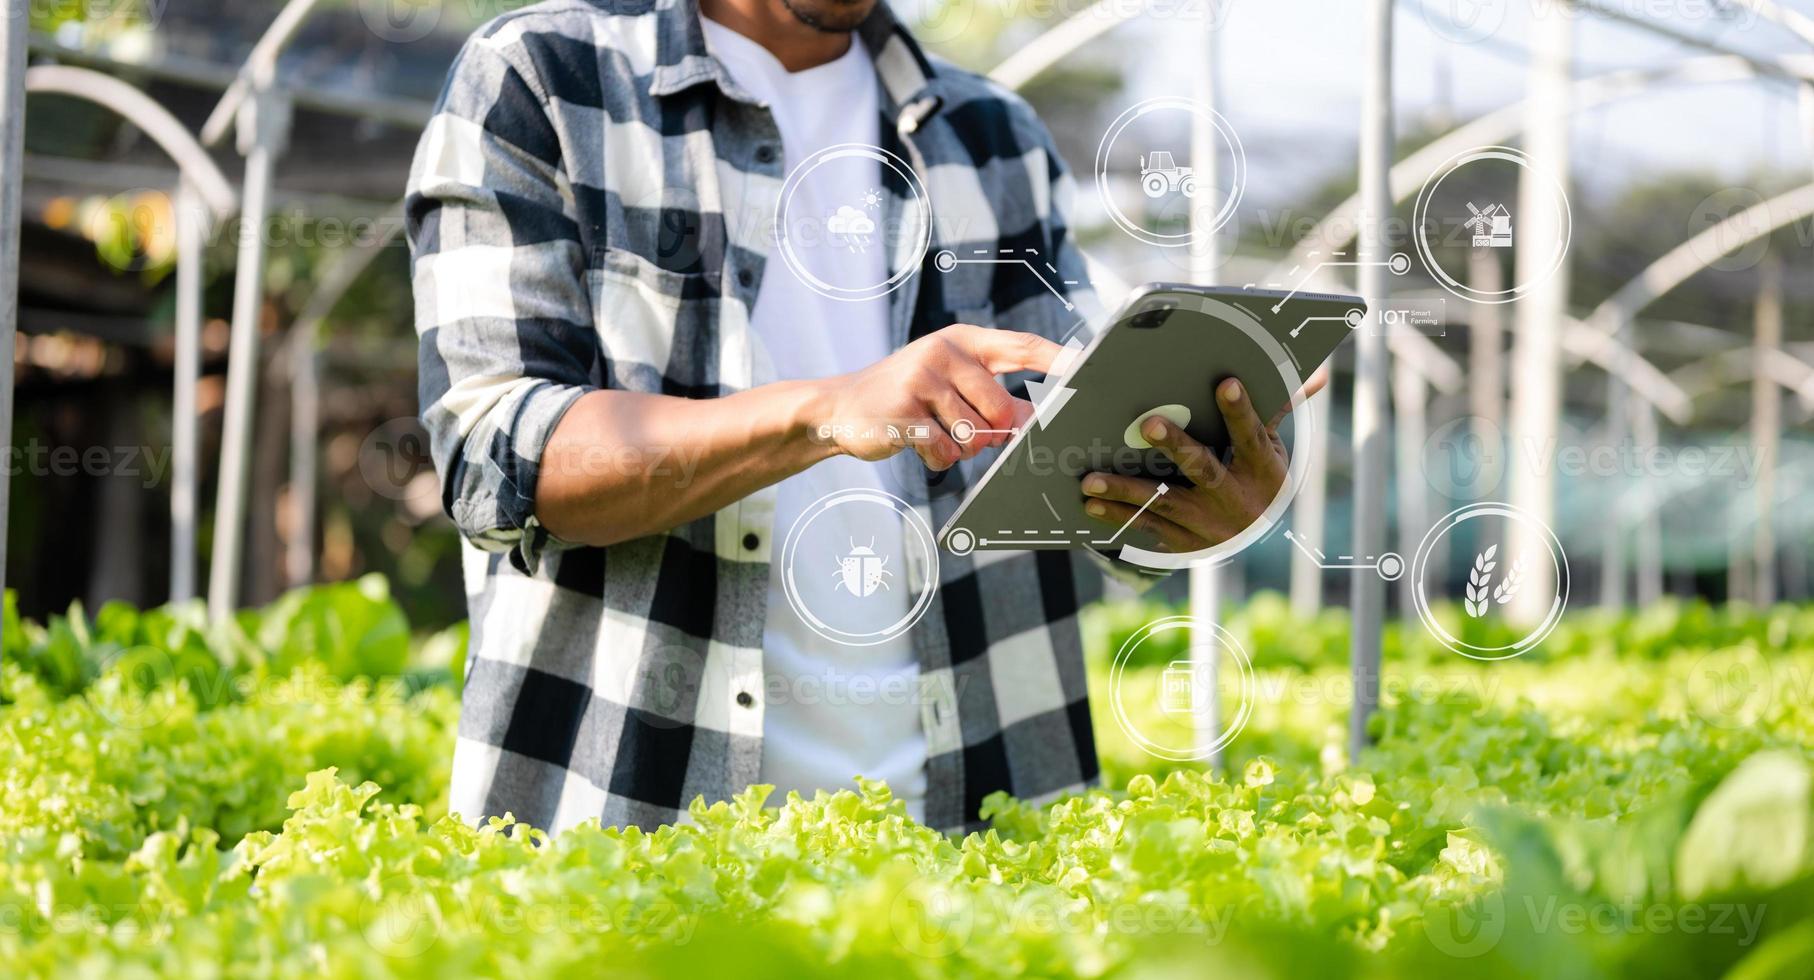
[1792, 483]
[1336, 228]
[154, 120]
[1699, 252]
[305, 391]
[1710, 374]
[1054, 45]
[1795, 22]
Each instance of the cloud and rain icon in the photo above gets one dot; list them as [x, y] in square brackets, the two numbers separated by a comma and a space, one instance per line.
[852, 227]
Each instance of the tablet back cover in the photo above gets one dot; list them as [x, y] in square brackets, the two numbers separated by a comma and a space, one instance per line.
[1168, 349]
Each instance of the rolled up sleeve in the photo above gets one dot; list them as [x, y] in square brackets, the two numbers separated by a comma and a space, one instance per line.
[502, 312]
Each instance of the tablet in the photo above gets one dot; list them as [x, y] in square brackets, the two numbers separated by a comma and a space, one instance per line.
[1164, 352]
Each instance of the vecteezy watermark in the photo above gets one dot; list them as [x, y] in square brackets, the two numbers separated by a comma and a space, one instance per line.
[402, 21]
[407, 915]
[669, 683]
[1469, 456]
[38, 918]
[935, 918]
[1464, 21]
[142, 687]
[145, 13]
[1739, 687]
[1475, 926]
[1473, 21]
[395, 460]
[135, 230]
[149, 465]
[1729, 229]
[945, 21]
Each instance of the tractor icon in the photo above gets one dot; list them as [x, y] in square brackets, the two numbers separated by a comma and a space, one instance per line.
[1165, 175]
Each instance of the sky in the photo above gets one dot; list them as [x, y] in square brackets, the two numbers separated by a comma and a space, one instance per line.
[1291, 77]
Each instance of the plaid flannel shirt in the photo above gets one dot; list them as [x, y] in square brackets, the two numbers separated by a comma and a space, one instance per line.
[592, 206]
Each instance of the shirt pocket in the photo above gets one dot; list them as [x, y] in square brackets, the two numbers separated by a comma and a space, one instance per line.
[658, 328]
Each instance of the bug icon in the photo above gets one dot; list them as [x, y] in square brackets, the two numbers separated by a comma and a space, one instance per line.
[862, 571]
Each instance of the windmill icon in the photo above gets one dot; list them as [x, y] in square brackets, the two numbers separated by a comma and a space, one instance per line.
[1492, 227]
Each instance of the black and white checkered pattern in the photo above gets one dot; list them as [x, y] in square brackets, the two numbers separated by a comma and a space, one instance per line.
[591, 207]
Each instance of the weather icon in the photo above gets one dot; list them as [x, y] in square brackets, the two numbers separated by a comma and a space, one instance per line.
[851, 227]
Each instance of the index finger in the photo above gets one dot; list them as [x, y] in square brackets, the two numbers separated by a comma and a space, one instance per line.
[1244, 428]
[1004, 351]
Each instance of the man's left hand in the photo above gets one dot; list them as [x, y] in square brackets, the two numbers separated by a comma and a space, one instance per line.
[1225, 496]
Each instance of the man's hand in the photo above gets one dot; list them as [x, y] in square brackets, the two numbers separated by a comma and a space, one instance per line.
[946, 381]
[1226, 498]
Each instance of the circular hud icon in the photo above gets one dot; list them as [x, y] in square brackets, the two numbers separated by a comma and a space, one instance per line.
[1176, 711]
[1470, 206]
[860, 567]
[853, 245]
[1149, 185]
[1504, 558]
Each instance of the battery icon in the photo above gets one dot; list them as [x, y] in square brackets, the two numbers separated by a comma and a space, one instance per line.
[1179, 692]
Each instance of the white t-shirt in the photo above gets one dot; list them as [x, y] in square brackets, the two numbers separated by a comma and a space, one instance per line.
[833, 711]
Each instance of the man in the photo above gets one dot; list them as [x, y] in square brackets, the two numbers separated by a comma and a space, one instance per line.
[631, 396]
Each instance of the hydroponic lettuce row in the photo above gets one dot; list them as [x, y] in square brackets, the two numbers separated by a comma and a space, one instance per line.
[270, 801]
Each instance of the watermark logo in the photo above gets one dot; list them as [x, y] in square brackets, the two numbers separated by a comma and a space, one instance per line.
[1465, 458]
[931, 919]
[1730, 689]
[1464, 21]
[1739, 228]
[400, 920]
[401, 21]
[395, 460]
[1467, 929]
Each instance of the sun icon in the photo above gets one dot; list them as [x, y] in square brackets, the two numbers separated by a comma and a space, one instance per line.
[872, 198]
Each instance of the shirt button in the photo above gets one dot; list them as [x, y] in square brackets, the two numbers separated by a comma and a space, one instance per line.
[765, 153]
[745, 278]
[751, 541]
[744, 699]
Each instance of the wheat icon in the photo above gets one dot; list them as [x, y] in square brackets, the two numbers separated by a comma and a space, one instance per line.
[1508, 586]
[1480, 580]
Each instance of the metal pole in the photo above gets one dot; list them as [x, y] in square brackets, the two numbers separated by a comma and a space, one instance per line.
[191, 232]
[263, 125]
[1309, 511]
[1206, 261]
[1369, 591]
[1485, 374]
[1486, 351]
[1612, 543]
[1410, 429]
[13, 29]
[305, 419]
[1649, 545]
[305, 361]
[1766, 428]
[1537, 356]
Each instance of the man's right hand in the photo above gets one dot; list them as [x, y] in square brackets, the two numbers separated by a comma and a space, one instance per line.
[945, 381]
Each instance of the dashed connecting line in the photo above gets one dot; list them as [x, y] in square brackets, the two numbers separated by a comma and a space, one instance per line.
[1389, 565]
[1061, 536]
[1398, 264]
[947, 260]
[1353, 318]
